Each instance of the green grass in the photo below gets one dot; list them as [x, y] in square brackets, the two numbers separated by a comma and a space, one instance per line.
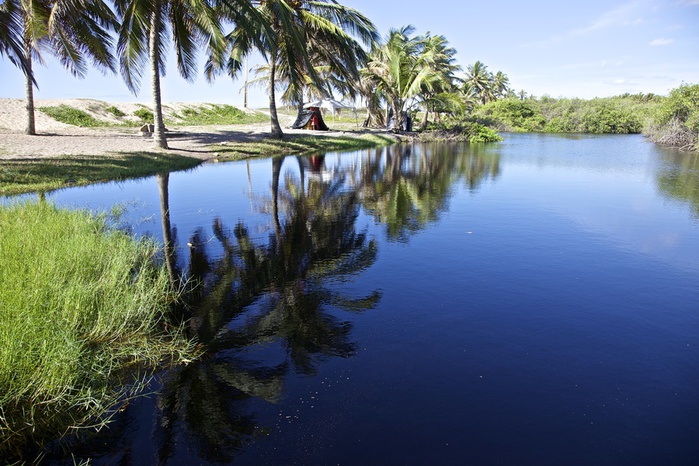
[81, 305]
[300, 144]
[71, 116]
[31, 175]
[115, 111]
[212, 114]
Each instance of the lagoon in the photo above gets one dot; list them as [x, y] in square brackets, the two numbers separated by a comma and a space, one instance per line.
[534, 301]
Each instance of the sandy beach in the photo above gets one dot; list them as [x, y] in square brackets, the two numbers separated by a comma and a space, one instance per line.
[55, 139]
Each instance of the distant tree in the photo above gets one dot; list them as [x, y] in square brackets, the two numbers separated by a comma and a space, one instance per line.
[479, 83]
[501, 84]
[71, 30]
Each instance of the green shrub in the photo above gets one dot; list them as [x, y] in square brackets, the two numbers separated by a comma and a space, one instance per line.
[461, 130]
[676, 121]
[145, 115]
[71, 116]
[512, 115]
[115, 111]
[219, 115]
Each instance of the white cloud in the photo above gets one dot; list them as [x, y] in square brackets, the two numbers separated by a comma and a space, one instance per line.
[661, 41]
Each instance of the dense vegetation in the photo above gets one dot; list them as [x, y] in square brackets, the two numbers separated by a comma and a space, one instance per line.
[619, 115]
[672, 120]
[676, 121]
[81, 302]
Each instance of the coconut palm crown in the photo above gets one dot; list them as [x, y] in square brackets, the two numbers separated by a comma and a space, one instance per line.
[298, 39]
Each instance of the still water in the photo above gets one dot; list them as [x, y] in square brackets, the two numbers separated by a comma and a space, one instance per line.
[534, 301]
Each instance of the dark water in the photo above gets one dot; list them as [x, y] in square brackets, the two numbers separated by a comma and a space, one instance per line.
[534, 301]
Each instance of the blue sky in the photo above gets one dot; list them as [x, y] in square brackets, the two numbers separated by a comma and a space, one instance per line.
[563, 49]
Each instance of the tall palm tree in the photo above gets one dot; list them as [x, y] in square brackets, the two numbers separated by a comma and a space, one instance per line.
[296, 37]
[71, 30]
[145, 28]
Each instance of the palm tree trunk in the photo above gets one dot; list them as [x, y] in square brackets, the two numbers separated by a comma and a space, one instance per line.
[276, 173]
[276, 129]
[29, 84]
[423, 125]
[154, 46]
[168, 244]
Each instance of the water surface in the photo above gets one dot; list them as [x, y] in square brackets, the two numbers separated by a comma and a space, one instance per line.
[534, 301]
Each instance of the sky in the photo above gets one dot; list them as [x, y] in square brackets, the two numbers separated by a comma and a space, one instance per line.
[596, 48]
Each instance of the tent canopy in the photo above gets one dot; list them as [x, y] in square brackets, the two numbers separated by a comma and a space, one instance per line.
[330, 104]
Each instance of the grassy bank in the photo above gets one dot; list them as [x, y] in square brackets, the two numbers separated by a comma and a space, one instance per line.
[31, 175]
[300, 144]
[80, 305]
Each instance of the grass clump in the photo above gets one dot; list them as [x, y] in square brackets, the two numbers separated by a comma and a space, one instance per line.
[115, 111]
[81, 305]
[71, 116]
[218, 115]
[29, 175]
[145, 115]
[301, 144]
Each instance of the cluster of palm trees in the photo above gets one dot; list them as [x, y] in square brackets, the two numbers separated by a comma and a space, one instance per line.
[420, 72]
[409, 71]
[311, 48]
[298, 39]
[481, 86]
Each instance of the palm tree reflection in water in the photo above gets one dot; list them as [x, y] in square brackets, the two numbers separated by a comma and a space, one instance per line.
[262, 311]
[278, 295]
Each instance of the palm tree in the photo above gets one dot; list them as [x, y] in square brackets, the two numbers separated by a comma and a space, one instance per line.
[441, 94]
[401, 70]
[72, 30]
[295, 38]
[501, 84]
[479, 82]
[145, 24]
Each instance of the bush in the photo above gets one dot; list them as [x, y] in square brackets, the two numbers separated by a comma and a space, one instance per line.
[145, 115]
[512, 115]
[115, 111]
[461, 130]
[676, 121]
[71, 116]
[219, 115]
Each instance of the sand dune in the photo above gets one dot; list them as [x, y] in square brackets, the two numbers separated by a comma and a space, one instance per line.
[55, 139]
